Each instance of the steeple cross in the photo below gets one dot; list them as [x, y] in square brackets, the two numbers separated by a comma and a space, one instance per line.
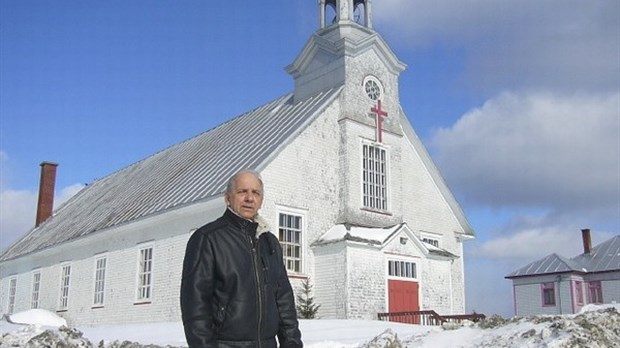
[379, 115]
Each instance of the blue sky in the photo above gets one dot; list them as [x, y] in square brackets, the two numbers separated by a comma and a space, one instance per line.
[518, 103]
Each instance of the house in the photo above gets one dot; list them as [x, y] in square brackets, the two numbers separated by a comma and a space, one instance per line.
[352, 194]
[557, 285]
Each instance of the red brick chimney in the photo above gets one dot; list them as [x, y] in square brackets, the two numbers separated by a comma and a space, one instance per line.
[587, 240]
[45, 206]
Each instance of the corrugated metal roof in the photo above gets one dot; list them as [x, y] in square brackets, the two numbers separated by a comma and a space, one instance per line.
[603, 257]
[553, 263]
[191, 171]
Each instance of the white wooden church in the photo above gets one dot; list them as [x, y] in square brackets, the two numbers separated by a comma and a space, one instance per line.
[355, 199]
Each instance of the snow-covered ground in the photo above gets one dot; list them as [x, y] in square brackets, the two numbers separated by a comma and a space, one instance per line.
[595, 326]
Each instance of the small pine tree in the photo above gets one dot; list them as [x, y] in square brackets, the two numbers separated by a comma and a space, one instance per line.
[306, 308]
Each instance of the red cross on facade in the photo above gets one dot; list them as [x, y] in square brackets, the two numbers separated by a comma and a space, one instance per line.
[379, 115]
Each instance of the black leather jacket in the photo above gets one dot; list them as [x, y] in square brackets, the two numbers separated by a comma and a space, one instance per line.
[235, 290]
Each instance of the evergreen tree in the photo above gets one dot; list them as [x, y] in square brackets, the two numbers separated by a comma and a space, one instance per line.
[306, 308]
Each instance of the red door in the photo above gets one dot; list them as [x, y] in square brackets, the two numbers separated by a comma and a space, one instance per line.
[403, 297]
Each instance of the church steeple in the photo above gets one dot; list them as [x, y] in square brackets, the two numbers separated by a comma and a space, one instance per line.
[344, 51]
[339, 11]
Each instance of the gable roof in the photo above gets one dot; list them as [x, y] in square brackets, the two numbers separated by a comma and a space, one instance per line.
[378, 236]
[602, 258]
[553, 263]
[194, 170]
[420, 149]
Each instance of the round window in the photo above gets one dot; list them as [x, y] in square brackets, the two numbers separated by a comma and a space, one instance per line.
[372, 88]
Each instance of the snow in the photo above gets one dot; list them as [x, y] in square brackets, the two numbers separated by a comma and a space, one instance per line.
[596, 325]
[338, 232]
[38, 317]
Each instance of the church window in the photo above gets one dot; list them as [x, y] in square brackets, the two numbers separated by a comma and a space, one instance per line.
[65, 280]
[374, 177]
[12, 291]
[402, 269]
[290, 230]
[548, 294]
[36, 286]
[372, 87]
[145, 274]
[432, 241]
[595, 292]
[100, 269]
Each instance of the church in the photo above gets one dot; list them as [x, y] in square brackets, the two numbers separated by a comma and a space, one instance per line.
[360, 209]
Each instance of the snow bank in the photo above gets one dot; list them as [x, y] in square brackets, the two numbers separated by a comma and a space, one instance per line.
[594, 327]
[39, 317]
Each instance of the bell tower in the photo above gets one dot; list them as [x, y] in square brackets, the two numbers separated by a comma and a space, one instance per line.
[347, 52]
[338, 11]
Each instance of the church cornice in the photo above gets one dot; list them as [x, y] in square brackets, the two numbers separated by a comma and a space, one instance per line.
[344, 40]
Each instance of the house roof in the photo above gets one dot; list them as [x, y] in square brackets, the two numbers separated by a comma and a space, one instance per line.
[436, 175]
[191, 171]
[602, 258]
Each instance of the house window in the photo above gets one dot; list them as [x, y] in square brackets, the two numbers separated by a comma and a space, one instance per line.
[402, 269]
[548, 294]
[579, 292]
[100, 267]
[374, 177]
[595, 292]
[36, 285]
[12, 291]
[145, 274]
[431, 241]
[290, 228]
[65, 279]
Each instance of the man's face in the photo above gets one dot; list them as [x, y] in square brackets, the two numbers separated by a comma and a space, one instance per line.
[246, 197]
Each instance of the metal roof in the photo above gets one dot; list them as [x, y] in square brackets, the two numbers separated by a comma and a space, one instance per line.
[602, 258]
[194, 170]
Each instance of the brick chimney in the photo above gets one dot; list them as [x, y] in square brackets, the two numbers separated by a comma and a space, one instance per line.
[45, 206]
[587, 241]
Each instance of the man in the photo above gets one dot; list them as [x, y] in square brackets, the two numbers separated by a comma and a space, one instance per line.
[235, 291]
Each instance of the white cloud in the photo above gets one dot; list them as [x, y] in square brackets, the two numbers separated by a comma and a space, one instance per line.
[17, 213]
[18, 209]
[511, 44]
[536, 150]
[66, 193]
[528, 237]
[532, 244]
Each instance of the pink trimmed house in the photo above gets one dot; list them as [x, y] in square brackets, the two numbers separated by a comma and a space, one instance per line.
[557, 285]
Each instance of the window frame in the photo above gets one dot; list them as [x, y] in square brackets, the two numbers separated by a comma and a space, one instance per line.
[545, 289]
[99, 285]
[12, 295]
[595, 288]
[579, 298]
[395, 267]
[65, 286]
[35, 294]
[141, 286]
[381, 202]
[302, 230]
[371, 78]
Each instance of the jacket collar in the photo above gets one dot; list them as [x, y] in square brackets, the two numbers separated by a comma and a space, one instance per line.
[259, 223]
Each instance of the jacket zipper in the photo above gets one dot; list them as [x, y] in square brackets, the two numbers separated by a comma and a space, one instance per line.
[254, 247]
